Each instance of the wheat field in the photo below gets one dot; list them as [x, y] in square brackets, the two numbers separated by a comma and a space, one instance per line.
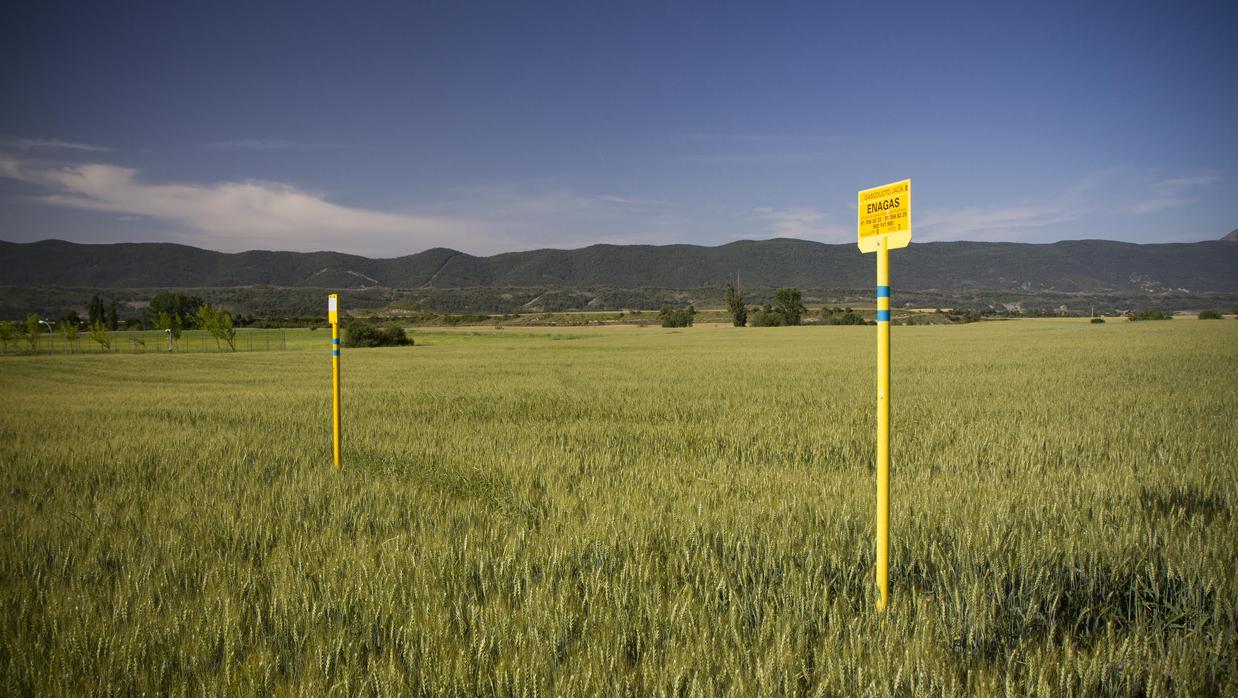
[628, 511]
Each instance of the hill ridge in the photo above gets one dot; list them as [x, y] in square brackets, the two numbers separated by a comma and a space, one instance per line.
[1068, 265]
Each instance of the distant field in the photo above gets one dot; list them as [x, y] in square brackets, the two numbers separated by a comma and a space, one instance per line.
[628, 510]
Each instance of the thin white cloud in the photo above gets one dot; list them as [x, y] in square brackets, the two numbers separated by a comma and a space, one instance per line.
[772, 157]
[754, 148]
[976, 223]
[558, 202]
[1157, 204]
[803, 222]
[269, 144]
[626, 200]
[1099, 196]
[1173, 192]
[535, 216]
[54, 144]
[1181, 183]
[758, 138]
[247, 214]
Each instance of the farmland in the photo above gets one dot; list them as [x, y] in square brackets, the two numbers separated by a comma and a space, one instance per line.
[628, 511]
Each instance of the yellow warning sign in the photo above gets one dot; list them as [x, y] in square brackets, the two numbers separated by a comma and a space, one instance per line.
[885, 212]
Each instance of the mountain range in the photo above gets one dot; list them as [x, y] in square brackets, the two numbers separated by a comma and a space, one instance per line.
[1076, 266]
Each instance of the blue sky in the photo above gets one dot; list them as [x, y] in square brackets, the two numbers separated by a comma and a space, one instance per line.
[385, 129]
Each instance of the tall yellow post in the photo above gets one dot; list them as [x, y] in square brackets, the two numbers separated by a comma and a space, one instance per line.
[334, 316]
[883, 423]
[883, 221]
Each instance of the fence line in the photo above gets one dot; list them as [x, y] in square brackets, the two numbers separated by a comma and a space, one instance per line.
[149, 342]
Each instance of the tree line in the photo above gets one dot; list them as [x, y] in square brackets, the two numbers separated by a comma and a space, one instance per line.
[170, 312]
[785, 308]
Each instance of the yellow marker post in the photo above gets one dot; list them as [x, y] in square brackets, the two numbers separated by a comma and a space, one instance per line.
[333, 315]
[884, 223]
[883, 424]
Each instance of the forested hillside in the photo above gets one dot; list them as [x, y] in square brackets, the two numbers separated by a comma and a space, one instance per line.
[1071, 266]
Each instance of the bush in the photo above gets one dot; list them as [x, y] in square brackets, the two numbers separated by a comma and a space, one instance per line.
[363, 333]
[1209, 315]
[1098, 320]
[766, 318]
[677, 318]
[839, 316]
[1150, 314]
[966, 316]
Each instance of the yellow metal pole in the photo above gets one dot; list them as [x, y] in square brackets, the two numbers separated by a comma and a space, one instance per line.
[335, 385]
[883, 423]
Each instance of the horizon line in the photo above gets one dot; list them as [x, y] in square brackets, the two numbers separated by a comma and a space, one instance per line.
[598, 244]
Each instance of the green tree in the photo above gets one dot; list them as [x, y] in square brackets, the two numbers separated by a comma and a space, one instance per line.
[219, 324]
[789, 303]
[112, 321]
[7, 334]
[735, 306]
[226, 331]
[94, 310]
[176, 305]
[207, 320]
[70, 316]
[1150, 314]
[68, 331]
[32, 331]
[1209, 315]
[98, 332]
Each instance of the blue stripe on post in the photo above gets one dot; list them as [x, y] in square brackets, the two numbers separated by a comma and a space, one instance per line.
[335, 340]
[335, 352]
[883, 316]
[883, 291]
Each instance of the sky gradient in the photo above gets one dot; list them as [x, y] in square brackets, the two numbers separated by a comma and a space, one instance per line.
[386, 129]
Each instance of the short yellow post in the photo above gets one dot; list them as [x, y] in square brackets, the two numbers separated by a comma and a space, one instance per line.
[333, 314]
[883, 423]
[883, 224]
